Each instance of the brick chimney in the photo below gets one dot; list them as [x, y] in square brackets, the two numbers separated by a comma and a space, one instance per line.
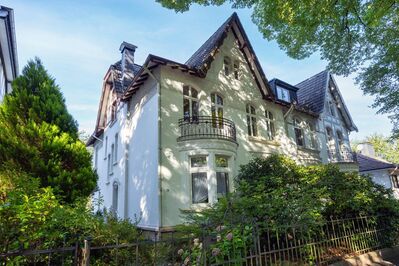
[367, 149]
[127, 50]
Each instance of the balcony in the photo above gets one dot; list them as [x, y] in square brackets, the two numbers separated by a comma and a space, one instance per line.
[342, 157]
[206, 127]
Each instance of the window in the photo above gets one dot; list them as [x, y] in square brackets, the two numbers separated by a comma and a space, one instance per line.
[222, 175]
[312, 135]
[116, 149]
[298, 132]
[190, 103]
[340, 139]
[331, 108]
[106, 148]
[109, 171]
[113, 111]
[330, 143]
[270, 125]
[217, 110]
[283, 94]
[115, 195]
[199, 180]
[96, 157]
[251, 120]
[113, 153]
[395, 181]
[236, 68]
[227, 65]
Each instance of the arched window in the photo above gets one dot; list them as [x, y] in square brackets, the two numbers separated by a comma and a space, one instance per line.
[298, 132]
[312, 135]
[115, 192]
[217, 110]
[251, 120]
[190, 103]
[227, 65]
[270, 125]
[236, 69]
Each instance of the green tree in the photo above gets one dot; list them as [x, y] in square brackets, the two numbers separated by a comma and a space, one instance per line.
[385, 147]
[352, 35]
[40, 138]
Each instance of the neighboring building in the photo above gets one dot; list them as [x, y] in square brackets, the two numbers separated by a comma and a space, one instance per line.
[171, 136]
[382, 172]
[8, 51]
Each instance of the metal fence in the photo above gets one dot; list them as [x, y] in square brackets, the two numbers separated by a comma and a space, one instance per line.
[244, 245]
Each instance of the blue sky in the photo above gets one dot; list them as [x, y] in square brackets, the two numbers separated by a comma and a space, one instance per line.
[78, 40]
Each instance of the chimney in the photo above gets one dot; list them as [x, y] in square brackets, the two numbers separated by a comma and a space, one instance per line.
[127, 51]
[367, 149]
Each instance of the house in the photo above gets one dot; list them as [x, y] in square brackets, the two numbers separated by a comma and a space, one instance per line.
[171, 136]
[8, 51]
[381, 171]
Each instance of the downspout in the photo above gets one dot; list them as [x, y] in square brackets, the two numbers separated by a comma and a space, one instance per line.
[159, 147]
[126, 205]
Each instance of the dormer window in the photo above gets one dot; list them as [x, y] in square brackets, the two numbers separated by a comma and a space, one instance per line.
[283, 94]
[227, 65]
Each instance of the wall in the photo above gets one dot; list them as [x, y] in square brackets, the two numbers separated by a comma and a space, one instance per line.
[137, 159]
[176, 181]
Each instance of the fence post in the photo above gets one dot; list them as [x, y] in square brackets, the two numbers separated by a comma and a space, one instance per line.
[86, 252]
[76, 257]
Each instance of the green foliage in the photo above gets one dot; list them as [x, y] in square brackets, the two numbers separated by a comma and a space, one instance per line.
[386, 148]
[351, 35]
[275, 192]
[39, 137]
[32, 218]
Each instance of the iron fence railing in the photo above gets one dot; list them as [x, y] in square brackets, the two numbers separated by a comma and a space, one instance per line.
[342, 156]
[200, 127]
[319, 244]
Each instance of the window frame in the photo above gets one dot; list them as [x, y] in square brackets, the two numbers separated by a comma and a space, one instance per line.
[252, 123]
[395, 181]
[298, 128]
[216, 107]
[236, 69]
[281, 91]
[227, 66]
[115, 157]
[191, 100]
[222, 170]
[194, 170]
[311, 127]
[270, 125]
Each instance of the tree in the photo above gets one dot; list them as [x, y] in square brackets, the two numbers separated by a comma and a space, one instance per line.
[353, 36]
[40, 138]
[386, 148]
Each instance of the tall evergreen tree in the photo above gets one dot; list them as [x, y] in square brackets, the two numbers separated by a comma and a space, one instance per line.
[39, 137]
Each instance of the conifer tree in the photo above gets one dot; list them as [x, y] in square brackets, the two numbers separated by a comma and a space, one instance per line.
[39, 137]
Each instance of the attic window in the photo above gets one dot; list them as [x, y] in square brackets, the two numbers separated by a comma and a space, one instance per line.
[227, 65]
[236, 68]
[283, 94]
[331, 108]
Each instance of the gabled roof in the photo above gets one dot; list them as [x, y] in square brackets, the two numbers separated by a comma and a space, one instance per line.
[199, 63]
[312, 95]
[369, 164]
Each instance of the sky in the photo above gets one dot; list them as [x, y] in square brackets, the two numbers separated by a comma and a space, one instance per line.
[78, 40]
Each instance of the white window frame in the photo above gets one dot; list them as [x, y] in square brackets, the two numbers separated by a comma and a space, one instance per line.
[298, 128]
[226, 66]
[216, 107]
[270, 125]
[283, 94]
[198, 170]
[221, 169]
[252, 122]
[311, 127]
[191, 99]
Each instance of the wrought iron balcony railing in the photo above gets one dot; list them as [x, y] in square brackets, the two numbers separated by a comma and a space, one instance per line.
[206, 127]
[342, 156]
